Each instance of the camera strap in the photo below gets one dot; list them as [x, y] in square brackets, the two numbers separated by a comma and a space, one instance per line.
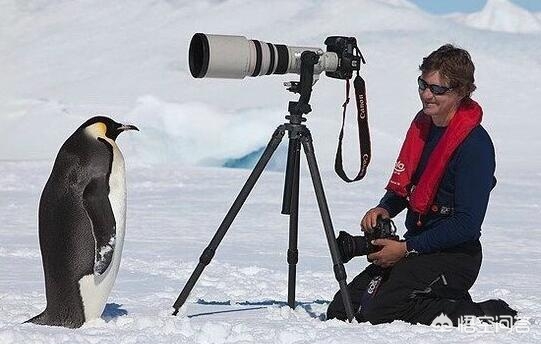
[364, 134]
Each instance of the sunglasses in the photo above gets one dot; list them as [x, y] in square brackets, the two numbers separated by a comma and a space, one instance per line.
[435, 89]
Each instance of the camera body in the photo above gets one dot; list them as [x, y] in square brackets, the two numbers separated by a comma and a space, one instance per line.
[385, 229]
[345, 48]
[350, 246]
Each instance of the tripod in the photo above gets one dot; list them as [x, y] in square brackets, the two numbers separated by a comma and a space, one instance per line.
[299, 135]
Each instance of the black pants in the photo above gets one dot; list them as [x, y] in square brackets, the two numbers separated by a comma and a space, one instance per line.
[417, 289]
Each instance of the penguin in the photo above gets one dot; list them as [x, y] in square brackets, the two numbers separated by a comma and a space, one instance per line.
[82, 221]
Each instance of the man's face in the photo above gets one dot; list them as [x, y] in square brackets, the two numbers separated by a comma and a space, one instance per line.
[441, 107]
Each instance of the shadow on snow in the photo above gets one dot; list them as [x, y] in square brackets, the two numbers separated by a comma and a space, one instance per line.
[307, 306]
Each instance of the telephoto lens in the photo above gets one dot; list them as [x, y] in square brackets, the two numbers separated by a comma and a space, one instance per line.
[235, 57]
[351, 246]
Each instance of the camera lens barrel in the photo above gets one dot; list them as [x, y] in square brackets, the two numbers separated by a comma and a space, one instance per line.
[235, 57]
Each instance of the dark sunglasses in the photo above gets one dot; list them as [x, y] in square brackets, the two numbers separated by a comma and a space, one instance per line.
[435, 89]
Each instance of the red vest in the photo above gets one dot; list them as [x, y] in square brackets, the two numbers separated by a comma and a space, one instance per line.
[421, 196]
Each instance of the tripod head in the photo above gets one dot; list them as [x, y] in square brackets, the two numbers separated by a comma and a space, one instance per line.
[303, 87]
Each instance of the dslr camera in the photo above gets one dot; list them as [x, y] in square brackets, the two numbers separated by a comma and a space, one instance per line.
[351, 246]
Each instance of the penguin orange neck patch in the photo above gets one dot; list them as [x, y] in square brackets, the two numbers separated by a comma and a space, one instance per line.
[96, 130]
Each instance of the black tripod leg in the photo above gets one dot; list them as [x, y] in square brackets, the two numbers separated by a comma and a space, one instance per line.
[290, 166]
[208, 253]
[292, 179]
[339, 270]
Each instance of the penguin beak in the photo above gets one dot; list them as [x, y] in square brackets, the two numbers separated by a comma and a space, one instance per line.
[127, 127]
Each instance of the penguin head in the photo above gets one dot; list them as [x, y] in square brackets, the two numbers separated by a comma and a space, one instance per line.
[105, 127]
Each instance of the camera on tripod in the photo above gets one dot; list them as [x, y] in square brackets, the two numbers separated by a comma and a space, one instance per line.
[351, 246]
[235, 57]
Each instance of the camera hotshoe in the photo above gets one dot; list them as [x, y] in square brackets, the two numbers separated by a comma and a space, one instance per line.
[235, 57]
[351, 246]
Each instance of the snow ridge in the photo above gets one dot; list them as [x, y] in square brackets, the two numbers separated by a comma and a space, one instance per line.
[503, 16]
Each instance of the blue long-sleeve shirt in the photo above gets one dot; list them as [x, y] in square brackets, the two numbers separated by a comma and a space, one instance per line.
[462, 196]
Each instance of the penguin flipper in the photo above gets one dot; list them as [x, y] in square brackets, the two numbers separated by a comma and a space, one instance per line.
[100, 213]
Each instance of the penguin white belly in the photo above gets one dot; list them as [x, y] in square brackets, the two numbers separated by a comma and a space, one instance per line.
[96, 289]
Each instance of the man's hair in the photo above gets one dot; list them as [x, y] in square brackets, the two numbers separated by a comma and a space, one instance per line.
[455, 65]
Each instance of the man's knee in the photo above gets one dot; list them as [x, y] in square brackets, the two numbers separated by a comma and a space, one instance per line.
[356, 288]
[378, 314]
[388, 304]
[336, 309]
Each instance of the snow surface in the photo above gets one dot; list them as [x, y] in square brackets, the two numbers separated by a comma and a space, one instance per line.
[172, 215]
[63, 61]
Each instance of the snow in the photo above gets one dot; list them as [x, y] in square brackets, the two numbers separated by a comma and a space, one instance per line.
[64, 61]
[504, 16]
[173, 213]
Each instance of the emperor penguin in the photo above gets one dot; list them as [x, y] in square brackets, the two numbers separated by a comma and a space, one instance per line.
[82, 221]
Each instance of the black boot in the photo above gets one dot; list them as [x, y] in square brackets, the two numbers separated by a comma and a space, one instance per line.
[499, 310]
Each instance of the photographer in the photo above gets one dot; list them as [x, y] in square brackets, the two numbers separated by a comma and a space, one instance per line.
[443, 176]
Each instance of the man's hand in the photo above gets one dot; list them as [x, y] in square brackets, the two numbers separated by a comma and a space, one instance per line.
[390, 254]
[370, 219]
